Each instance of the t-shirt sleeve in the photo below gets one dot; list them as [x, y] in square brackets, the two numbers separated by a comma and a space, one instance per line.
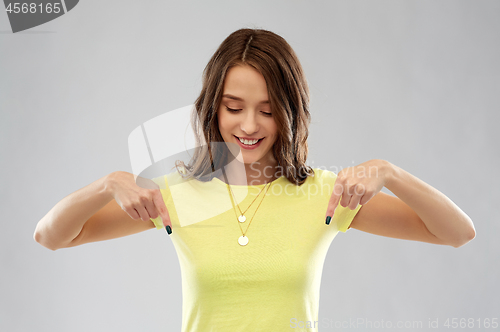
[344, 216]
[162, 182]
[166, 184]
[157, 222]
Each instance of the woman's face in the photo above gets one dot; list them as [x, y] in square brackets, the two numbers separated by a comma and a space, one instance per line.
[245, 92]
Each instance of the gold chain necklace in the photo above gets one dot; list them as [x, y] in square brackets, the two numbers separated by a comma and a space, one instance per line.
[242, 217]
[243, 239]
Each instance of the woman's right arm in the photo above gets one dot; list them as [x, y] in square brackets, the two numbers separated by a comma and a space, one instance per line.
[105, 209]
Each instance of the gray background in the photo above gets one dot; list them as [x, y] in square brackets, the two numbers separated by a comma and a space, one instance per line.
[412, 82]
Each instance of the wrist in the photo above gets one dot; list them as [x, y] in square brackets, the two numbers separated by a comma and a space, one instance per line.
[108, 184]
[390, 172]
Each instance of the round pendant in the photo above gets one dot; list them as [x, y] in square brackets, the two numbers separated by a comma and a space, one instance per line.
[242, 218]
[243, 240]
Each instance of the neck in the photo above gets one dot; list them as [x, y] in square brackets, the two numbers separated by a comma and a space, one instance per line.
[253, 174]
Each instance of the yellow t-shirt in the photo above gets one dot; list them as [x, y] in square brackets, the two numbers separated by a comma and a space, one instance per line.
[272, 283]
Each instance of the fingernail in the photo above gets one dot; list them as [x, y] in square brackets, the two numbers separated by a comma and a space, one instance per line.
[168, 229]
[328, 220]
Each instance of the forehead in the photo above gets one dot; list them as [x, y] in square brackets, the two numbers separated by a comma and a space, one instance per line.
[244, 83]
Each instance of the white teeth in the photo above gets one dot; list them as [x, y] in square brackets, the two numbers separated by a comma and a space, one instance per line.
[247, 142]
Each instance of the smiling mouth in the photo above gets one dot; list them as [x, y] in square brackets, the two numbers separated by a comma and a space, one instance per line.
[258, 140]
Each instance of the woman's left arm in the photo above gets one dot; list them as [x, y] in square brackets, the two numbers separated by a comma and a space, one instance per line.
[419, 212]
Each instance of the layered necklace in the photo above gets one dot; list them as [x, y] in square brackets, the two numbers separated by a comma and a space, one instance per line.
[243, 239]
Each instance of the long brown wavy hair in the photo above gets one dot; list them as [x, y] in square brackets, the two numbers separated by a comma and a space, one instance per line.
[288, 92]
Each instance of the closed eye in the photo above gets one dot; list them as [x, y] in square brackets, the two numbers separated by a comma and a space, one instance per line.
[234, 111]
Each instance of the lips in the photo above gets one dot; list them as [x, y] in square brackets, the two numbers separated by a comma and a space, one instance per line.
[249, 147]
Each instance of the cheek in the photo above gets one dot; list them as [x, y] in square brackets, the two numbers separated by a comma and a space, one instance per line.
[274, 131]
[220, 121]
[225, 126]
[226, 121]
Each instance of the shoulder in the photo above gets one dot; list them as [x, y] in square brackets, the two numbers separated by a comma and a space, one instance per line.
[323, 176]
[319, 184]
[170, 179]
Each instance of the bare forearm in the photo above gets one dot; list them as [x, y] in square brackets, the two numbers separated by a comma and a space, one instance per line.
[441, 216]
[65, 220]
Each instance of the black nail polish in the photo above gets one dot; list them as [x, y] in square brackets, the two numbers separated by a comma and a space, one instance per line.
[328, 220]
[168, 229]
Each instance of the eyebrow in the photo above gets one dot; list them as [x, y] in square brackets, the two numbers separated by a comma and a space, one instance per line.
[239, 99]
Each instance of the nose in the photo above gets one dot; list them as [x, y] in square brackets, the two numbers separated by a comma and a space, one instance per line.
[249, 123]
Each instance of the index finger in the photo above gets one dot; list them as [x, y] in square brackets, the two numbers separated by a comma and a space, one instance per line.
[338, 189]
[162, 209]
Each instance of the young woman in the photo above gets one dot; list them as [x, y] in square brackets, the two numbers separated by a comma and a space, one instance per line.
[252, 222]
